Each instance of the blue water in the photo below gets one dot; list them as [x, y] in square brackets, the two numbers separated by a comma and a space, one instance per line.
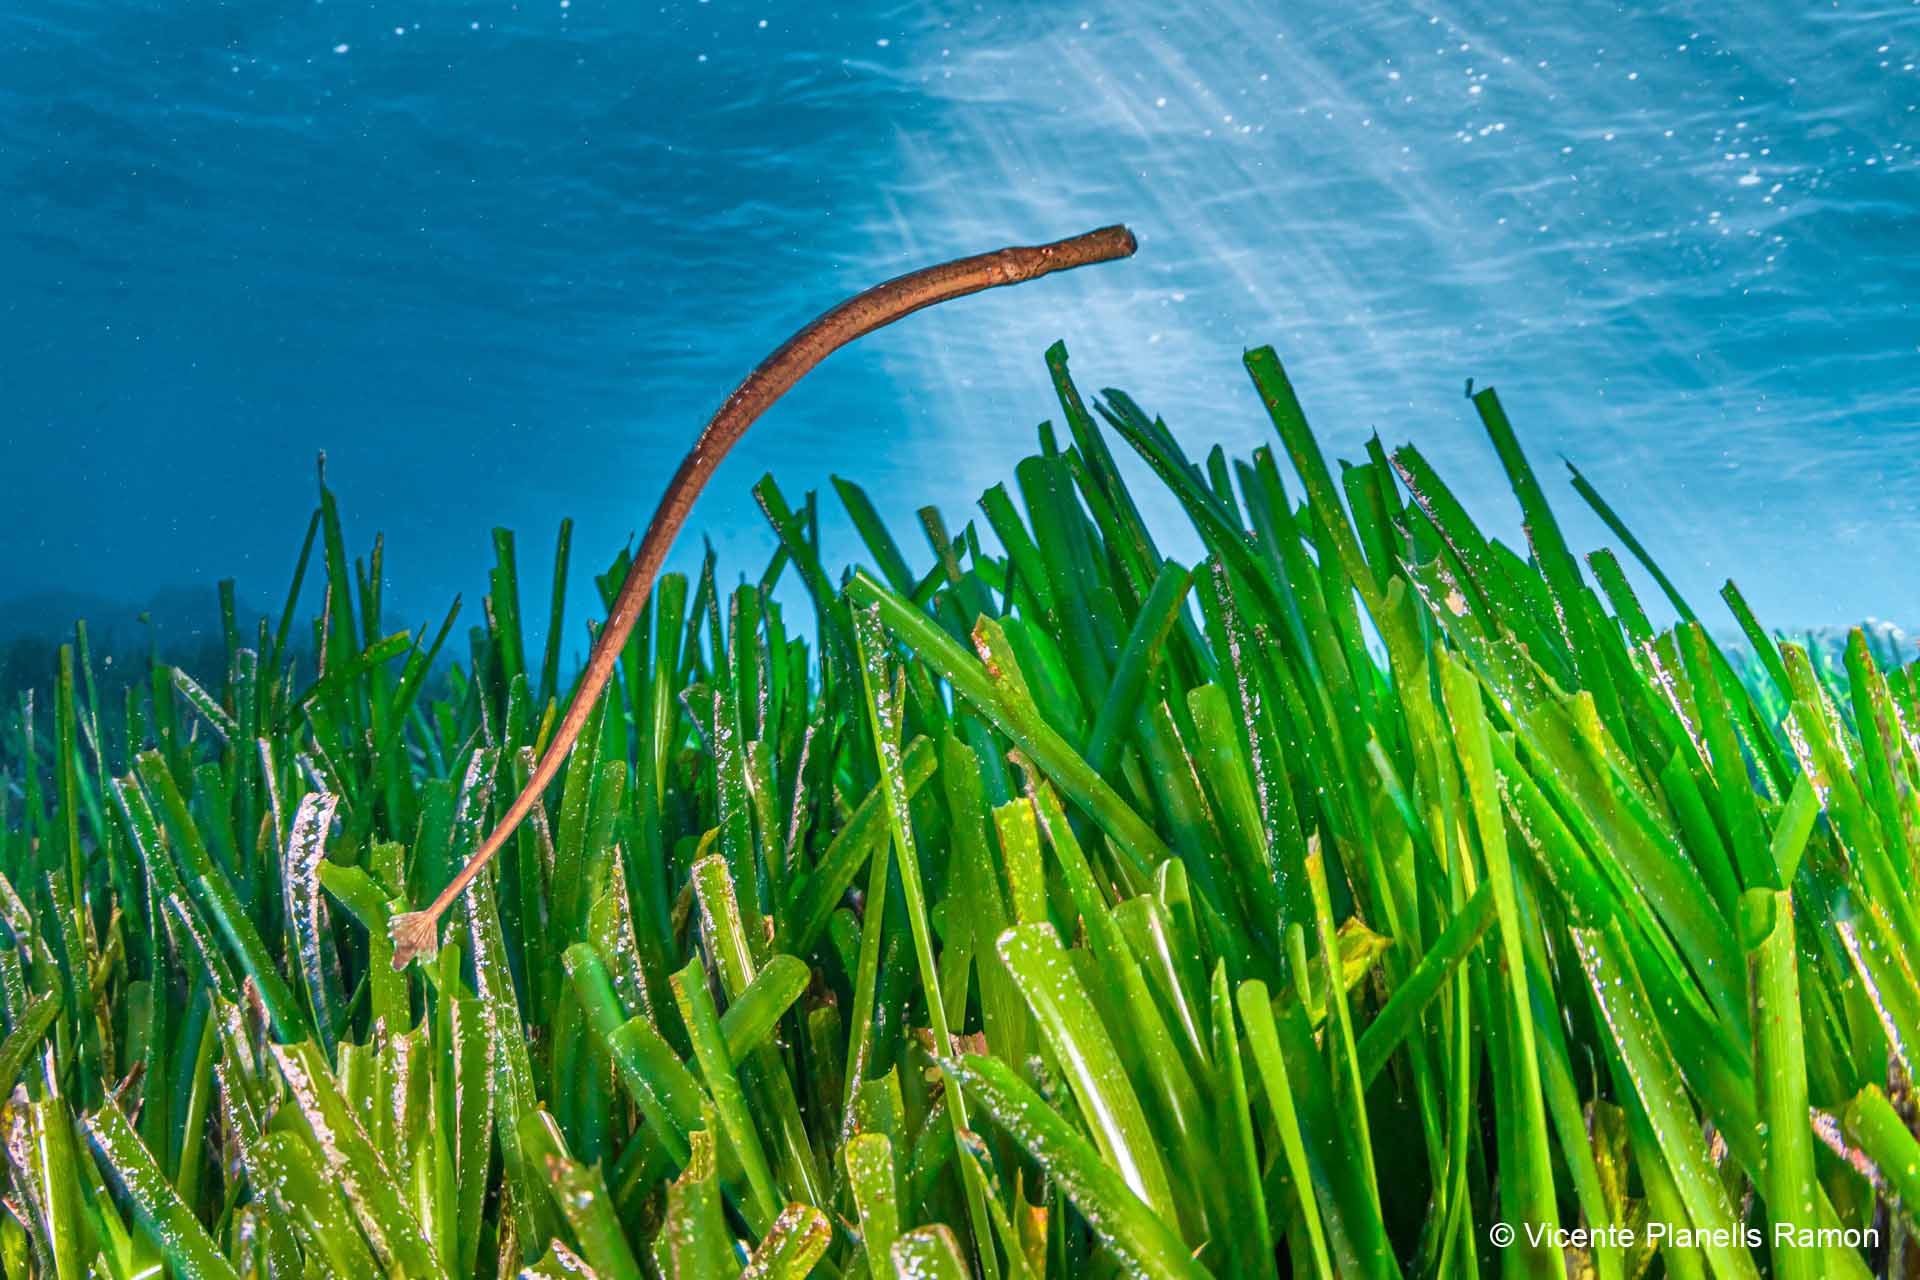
[501, 260]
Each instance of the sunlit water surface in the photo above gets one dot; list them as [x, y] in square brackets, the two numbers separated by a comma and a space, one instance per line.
[500, 261]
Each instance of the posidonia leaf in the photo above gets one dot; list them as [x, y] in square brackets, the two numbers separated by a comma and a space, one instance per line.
[307, 913]
[296, 1183]
[582, 1196]
[694, 1242]
[870, 1176]
[883, 718]
[1020, 721]
[1780, 1061]
[1531, 1198]
[26, 1037]
[1141, 1242]
[57, 1184]
[350, 1157]
[161, 1212]
[1646, 1066]
[729, 1101]
[797, 1239]
[1870, 1121]
[1081, 1045]
[929, 1253]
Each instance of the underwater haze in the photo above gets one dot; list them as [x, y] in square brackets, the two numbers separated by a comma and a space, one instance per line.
[501, 261]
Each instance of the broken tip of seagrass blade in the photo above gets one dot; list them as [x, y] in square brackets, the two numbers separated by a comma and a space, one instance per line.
[413, 933]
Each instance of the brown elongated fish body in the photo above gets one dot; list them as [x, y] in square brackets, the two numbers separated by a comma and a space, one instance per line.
[418, 931]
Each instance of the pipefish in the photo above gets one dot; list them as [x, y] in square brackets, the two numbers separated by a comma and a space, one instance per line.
[415, 932]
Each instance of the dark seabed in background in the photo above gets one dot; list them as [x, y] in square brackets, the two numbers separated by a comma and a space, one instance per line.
[500, 261]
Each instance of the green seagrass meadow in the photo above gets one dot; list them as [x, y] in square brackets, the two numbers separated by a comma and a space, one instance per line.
[1031, 905]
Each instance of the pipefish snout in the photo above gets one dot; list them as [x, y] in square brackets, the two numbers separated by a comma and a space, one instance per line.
[418, 931]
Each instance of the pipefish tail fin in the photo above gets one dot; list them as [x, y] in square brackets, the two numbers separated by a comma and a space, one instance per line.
[414, 933]
[858, 315]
